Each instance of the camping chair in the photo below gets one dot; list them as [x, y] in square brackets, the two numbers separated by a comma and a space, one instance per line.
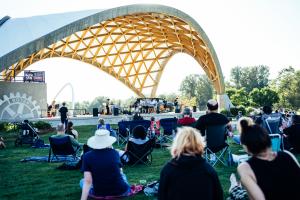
[123, 132]
[61, 146]
[138, 154]
[276, 142]
[216, 146]
[272, 125]
[169, 126]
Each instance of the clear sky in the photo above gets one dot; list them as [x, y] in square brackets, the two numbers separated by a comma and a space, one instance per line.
[243, 32]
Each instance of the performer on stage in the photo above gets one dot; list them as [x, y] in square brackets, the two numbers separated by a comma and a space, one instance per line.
[107, 107]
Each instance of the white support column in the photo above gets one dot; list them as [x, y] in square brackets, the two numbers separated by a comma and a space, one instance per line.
[224, 102]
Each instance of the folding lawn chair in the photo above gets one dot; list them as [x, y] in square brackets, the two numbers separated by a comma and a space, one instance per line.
[169, 126]
[123, 132]
[61, 146]
[272, 125]
[138, 153]
[276, 141]
[217, 149]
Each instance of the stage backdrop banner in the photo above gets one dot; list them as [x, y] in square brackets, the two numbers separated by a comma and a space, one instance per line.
[34, 76]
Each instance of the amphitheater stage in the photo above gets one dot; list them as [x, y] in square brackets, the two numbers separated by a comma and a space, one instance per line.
[90, 120]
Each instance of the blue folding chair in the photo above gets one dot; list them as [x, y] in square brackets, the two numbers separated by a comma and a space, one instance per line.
[276, 141]
[169, 126]
[123, 132]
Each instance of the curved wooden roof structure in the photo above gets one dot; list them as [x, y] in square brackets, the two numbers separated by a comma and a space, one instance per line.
[131, 43]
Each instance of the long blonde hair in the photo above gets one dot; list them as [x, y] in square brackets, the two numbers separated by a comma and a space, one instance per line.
[249, 122]
[188, 141]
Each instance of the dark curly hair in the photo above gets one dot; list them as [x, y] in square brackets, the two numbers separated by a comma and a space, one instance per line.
[139, 132]
[254, 137]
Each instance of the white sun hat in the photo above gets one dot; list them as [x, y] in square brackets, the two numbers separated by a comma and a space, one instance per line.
[101, 139]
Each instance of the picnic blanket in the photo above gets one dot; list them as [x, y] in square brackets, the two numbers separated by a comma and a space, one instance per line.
[134, 189]
[54, 159]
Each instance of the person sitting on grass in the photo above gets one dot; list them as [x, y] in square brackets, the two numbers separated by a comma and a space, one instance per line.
[237, 138]
[71, 131]
[61, 133]
[102, 125]
[188, 175]
[267, 174]
[187, 118]
[103, 175]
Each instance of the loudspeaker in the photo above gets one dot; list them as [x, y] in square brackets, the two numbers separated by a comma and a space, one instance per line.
[95, 112]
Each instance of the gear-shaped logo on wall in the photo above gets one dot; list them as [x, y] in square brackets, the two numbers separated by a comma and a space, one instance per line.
[17, 107]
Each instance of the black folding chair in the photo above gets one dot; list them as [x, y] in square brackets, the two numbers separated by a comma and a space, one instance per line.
[217, 149]
[138, 153]
[61, 146]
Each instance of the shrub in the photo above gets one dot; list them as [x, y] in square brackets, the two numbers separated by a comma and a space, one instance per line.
[42, 125]
[2, 126]
[225, 112]
[234, 111]
[243, 109]
[6, 127]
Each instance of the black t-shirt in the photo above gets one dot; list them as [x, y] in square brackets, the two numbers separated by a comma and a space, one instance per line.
[209, 120]
[279, 178]
[63, 112]
[293, 133]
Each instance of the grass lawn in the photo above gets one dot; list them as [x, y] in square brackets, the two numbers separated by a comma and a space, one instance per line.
[34, 180]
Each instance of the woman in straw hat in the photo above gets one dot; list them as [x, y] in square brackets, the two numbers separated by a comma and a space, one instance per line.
[188, 175]
[102, 168]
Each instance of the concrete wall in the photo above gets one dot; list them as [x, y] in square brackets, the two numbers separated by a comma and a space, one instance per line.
[20, 100]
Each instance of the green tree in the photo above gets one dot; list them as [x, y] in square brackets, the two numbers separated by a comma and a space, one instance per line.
[238, 97]
[264, 96]
[288, 87]
[250, 77]
[198, 86]
[168, 97]
[97, 103]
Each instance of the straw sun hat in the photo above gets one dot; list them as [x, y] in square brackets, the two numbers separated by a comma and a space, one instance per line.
[101, 139]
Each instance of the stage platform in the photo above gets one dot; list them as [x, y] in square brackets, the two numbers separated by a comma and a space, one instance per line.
[90, 120]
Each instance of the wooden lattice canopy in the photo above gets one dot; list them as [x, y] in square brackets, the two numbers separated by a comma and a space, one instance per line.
[134, 48]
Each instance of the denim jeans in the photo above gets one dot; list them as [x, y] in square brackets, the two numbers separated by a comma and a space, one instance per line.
[237, 139]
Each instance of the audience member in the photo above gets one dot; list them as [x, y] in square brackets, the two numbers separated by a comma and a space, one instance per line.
[212, 118]
[188, 175]
[102, 125]
[154, 127]
[71, 131]
[267, 113]
[61, 133]
[187, 118]
[292, 135]
[237, 138]
[139, 135]
[267, 175]
[103, 175]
